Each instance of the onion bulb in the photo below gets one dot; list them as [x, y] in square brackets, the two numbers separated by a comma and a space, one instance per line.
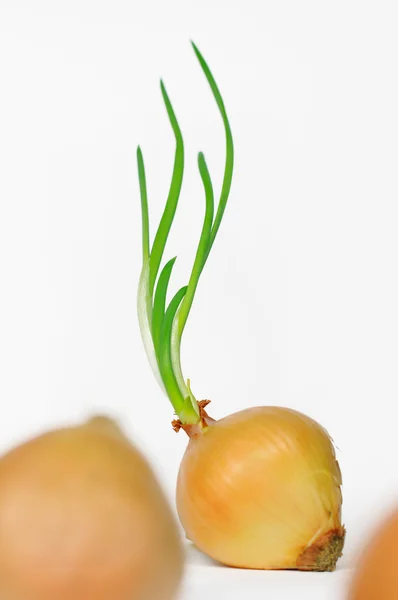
[261, 489]
[376, 575]
[82, 517]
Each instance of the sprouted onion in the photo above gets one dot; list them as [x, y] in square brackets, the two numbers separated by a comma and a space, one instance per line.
[82, 517]
[260, 488]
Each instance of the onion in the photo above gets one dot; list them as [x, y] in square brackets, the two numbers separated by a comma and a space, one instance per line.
[376, 575]
[261, 489]
[82, 517]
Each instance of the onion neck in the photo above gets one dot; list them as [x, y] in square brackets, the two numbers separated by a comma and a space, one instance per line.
[194, 430]
[105, 424]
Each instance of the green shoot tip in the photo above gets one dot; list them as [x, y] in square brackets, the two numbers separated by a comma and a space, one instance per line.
[164, 91]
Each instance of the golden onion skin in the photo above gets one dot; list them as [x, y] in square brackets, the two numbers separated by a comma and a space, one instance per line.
[260, 489]
[376, 575]
[82, 517]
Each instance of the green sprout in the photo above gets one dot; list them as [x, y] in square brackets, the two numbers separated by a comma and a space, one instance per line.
[162, 326]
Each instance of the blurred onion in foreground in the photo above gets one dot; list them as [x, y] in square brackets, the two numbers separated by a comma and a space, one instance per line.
[376, 576]
[82, 517]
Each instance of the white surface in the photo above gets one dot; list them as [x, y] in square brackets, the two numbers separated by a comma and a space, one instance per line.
[206, 580]
[298, 302]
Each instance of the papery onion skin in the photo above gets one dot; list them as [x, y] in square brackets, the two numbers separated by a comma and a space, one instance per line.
[376, 575]
[260, 489]
[82, 517]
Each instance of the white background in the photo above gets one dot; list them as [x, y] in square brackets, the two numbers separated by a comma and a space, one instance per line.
[298, 302]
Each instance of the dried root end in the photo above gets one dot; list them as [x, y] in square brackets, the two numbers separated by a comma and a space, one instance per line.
[324, 553]
[196, 429]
